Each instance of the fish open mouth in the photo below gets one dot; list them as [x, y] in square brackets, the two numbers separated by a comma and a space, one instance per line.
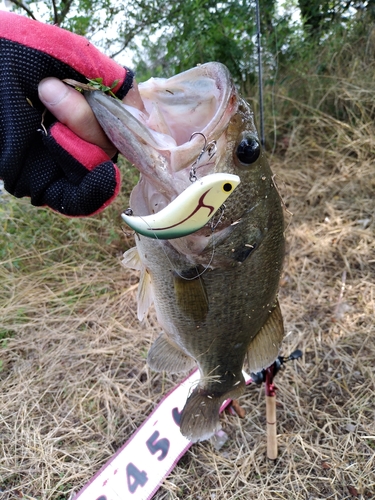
[181, 116]
[193, 101]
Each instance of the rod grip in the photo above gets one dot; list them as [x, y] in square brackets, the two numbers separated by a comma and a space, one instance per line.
[271, 427]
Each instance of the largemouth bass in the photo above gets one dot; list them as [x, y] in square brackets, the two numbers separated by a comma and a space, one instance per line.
[214, 291]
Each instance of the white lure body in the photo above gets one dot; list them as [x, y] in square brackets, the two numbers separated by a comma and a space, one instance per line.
[187, 213]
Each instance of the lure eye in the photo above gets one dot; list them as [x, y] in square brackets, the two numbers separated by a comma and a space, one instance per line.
[248, 150]
[227, 187]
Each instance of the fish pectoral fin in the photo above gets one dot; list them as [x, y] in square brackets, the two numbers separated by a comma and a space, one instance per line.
[132, 260]
[265, 347]
[164, 355]
[191, 295]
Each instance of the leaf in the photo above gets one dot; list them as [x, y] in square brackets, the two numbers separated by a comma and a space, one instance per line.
[353, 491]
[94, 84]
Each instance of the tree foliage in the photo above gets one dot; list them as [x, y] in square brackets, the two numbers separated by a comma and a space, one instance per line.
[167, 36]
[320, 16]
[164, 37]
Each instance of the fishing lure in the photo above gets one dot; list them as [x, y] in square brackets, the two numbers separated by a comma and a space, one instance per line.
[187, 213]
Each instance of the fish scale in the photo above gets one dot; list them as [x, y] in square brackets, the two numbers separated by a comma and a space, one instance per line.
[214, 291]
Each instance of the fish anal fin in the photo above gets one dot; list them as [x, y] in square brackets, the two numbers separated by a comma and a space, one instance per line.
[191, 296]
[164, 355]
[265, 347]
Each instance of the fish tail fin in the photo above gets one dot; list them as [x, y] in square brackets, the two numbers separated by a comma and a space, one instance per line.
[200, 416]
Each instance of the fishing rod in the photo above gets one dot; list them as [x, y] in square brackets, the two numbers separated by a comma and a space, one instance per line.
[260, 75]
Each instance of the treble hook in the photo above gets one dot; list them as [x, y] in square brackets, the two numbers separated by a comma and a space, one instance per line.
[209, 147]
[205, 144]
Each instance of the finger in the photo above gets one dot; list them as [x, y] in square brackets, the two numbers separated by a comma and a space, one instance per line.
[71, 109]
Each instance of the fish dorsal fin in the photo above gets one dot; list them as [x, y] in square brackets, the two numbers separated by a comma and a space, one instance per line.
[265, 347]
[132, 260]
[164, 355]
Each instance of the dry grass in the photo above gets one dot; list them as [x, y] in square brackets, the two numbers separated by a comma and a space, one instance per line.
[75, 384]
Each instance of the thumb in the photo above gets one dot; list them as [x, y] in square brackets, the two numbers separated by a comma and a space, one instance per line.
[71, 108]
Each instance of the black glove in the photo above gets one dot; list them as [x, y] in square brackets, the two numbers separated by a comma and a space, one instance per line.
[57, 169]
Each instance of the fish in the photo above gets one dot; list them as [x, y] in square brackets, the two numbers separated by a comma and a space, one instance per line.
[215, 291]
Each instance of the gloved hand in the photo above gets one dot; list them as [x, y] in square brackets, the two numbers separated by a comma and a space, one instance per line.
[39, 156]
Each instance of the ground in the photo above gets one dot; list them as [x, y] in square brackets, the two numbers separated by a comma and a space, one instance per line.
[74, 383]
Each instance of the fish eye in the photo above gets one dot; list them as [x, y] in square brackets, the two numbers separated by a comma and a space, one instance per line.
[248, 150]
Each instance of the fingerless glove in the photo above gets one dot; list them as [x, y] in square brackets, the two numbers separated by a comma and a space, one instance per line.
[50, 164]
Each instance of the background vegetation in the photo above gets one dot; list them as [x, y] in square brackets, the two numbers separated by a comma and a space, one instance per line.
[74, 383]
